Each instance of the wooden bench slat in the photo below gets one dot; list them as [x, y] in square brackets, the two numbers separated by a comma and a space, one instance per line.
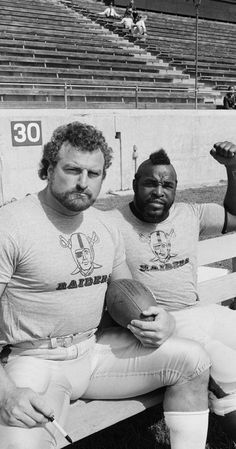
[217, 290]
[86, 418]
[215, 249]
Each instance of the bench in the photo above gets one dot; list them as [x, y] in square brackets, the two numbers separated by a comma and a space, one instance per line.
[77, 63]
[10, 47]
[87, 417]
[89, 74]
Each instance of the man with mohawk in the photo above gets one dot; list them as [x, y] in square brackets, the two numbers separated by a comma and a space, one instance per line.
[147, 224]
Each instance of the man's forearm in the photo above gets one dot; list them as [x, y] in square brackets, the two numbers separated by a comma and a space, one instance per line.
[230, 196]
[6, 384]
[225, 153]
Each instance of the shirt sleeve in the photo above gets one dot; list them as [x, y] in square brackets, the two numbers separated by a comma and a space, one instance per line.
[8, 249]
[120, 256]
[211, 218]
[117, 238]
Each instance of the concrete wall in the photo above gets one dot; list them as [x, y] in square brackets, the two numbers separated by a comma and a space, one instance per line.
[186, 135]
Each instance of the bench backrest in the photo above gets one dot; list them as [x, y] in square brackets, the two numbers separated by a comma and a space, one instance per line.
[215, 250]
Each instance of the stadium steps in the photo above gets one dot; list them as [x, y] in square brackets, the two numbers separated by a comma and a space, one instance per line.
[57, 45]
[77, 63]
[71, 55]
[28, 70]
[47, 42]
[172, 38]
[170, 42]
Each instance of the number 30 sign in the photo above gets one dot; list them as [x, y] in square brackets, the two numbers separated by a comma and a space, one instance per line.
[26, 133]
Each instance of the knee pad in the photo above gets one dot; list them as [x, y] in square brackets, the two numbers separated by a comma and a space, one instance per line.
[185, 358]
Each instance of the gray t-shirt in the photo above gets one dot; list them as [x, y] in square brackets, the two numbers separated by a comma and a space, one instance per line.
[164, 256]
[55, 269]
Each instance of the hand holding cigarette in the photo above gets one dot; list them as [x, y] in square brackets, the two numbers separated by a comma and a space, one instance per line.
[61, 430]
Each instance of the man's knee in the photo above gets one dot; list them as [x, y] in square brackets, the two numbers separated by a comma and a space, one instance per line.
[198, 384]
[189, 396]
[186, 360]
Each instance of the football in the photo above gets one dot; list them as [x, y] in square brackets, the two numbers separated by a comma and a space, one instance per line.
[126, 299]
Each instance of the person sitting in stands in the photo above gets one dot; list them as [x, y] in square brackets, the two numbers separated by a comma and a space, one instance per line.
[110, 12]
[127, 20]
[139, 28]
[229, 99]
[135, 15]
[129, 8]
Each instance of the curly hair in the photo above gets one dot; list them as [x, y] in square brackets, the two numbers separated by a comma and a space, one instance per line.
[84, 137]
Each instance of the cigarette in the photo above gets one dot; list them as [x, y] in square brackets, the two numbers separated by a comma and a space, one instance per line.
[61, 430]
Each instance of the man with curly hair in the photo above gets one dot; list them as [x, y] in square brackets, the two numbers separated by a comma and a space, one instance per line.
[57, 255]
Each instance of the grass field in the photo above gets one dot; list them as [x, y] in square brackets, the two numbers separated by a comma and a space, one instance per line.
[147, 430]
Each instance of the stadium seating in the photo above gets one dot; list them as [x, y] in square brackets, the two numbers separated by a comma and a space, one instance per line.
[64, 54]
[173, 39]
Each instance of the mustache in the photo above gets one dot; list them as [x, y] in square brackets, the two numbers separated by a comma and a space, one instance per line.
[79, 190]
[155, 200]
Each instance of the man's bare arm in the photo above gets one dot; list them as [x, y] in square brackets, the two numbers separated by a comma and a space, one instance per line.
[21, 407]
[225, 153]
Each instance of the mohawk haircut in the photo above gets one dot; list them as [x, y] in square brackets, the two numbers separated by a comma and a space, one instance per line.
[159, 158]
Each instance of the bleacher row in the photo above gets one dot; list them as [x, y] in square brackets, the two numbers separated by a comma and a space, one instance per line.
[62, 53]
[216, 47]
[173, 39]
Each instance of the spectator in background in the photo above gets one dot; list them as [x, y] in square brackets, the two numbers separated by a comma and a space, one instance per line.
[129, 7]
[135, 15]
[127, 20]
[110, 12]
[139, 27]
[128, 14]
[229, 99]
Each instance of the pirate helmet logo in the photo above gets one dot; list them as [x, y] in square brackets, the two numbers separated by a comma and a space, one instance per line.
[82, 250]
[160, 244]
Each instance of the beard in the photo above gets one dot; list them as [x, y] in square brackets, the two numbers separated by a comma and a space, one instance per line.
[74, 200]
[151, 213]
